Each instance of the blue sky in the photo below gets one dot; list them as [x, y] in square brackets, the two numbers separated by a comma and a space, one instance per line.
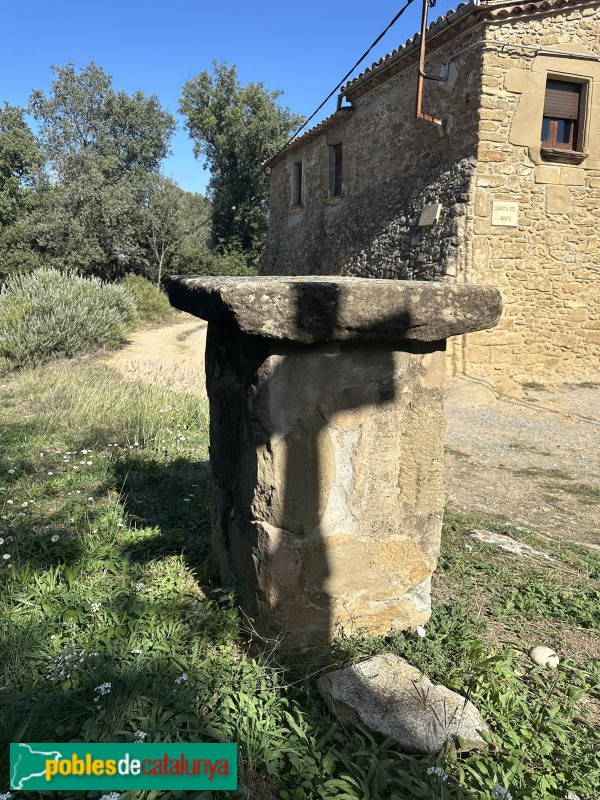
[303, 48]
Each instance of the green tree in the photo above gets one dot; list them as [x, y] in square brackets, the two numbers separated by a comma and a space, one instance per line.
[102, 148]
[20, 161]
[236, 129]
[20, 165]
[176, 225]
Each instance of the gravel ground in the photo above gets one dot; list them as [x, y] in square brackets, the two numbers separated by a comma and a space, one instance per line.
[533, 461]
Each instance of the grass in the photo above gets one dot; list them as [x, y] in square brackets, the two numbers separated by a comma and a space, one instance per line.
[535, 385]
[588, 495]
[538, 472]
[108, 579]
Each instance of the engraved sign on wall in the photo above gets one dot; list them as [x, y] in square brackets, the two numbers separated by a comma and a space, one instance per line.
[505, 212]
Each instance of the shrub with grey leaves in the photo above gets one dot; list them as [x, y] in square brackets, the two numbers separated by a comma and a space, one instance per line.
[48, 314]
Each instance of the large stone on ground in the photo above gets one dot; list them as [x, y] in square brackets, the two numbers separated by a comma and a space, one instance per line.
[390, 697]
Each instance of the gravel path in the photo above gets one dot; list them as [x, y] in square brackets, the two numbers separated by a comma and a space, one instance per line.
[532, 461]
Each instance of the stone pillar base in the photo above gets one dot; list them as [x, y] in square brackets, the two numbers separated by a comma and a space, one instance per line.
[327, 446]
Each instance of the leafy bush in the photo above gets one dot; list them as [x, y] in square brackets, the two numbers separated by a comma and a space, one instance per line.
[47, 314]
[194, 261]
[152, 304]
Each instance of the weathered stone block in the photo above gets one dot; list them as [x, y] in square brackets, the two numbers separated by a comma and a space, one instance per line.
[547, 174]
[326, 444]
[558, 199]
[390, 697]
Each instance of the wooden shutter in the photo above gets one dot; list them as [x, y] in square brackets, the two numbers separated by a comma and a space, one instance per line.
[562, 100]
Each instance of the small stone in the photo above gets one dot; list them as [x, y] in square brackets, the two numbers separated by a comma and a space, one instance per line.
[544, 657]
[390, 697]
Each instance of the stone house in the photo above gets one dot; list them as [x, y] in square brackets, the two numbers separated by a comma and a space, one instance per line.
[506, 192]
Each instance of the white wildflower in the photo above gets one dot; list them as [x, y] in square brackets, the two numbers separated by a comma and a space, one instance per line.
[1, 541]
[101, 690]
[421, 631]
[139, 586]
[11, 471]
[55, 538]
[6, 556]
[95, 607]
[136, 652]
[182, 678]
[9, 502]
[439, 771]
[140, 736]
[111, 796]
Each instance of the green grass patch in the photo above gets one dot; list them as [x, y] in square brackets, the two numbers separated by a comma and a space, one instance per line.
[106, 579]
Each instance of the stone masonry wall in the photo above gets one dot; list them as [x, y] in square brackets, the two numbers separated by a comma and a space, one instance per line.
[548, 267]
[394, 166]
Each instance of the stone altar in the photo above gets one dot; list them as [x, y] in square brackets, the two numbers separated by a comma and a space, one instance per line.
[326, 443]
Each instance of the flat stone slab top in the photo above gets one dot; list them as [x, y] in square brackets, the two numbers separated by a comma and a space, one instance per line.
[321, 309]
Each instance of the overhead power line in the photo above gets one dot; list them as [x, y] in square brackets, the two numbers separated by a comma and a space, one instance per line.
[343, 80]
[330, 95]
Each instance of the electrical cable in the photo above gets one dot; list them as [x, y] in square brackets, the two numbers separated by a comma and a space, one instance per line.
[329, 96]
[346, 76]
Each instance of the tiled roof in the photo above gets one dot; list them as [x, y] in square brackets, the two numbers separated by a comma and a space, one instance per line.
[323, 126]
[469, 13]
[477, 10]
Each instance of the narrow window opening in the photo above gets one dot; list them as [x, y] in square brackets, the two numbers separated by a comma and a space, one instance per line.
[297, 185]
[562, 115]
[336, 170]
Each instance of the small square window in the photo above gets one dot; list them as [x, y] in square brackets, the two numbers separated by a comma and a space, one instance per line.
[336, 185]
[297, 185]
[563, 115]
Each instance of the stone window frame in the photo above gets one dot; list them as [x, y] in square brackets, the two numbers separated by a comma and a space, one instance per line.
[336, 170]
[579, 153]
[298, 186]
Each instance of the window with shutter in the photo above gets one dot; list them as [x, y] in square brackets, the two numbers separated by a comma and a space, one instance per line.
[562, 115]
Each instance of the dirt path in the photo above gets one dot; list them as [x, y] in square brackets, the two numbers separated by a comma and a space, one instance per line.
[171, 356]
[532, 461]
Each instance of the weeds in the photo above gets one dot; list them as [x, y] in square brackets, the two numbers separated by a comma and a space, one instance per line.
[113, 626]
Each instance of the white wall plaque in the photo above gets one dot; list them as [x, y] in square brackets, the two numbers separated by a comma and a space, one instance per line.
[430, 215]
[505, 212]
